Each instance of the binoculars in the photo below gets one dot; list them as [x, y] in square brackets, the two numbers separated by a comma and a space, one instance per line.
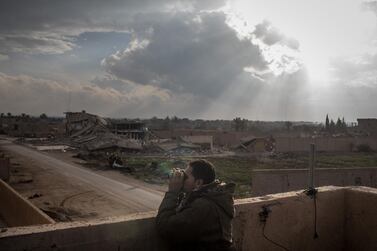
[175, 170]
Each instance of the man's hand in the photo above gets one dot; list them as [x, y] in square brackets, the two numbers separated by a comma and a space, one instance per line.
[176, 181]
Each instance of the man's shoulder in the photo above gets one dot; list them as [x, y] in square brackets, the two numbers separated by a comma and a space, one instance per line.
[203, 202]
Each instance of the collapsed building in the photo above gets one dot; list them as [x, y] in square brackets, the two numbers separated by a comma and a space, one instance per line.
[257, 144]
[93, 133]
[130, 129]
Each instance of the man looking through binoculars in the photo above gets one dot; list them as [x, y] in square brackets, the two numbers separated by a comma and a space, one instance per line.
[197, 210]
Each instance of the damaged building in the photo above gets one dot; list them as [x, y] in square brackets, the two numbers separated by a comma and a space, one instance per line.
[82, 123]
[130, 129]
[93, 133]
[257, 144]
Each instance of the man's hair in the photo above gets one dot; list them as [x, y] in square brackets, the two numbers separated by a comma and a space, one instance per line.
[203, 169]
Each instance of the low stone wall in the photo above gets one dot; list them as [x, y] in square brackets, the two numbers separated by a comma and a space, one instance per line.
[290, 223]
[17, 211]
[220, 138]
[270, 181]
[345, 144]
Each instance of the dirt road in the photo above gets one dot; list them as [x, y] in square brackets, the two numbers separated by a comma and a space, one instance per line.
[134, 198]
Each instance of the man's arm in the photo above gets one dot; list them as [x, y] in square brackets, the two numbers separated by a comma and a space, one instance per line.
[184, 225]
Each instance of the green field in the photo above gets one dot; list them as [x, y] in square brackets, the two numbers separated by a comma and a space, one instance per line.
[239, 169]
[322, 160]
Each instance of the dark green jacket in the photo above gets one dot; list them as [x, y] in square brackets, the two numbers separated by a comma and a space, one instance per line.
[201, 220]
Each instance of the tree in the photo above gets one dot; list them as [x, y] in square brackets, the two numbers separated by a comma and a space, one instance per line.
[327, 124]
[332, 125]
[344, 123]
[166, 125]
[339, 124]
[239, 124]
[43, 116]
[288, 125]
[175, 119]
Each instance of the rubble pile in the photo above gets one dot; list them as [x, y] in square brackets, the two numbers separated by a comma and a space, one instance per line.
[92, 133]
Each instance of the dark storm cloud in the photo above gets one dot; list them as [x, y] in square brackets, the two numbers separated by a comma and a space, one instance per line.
[271, 35]
[42, 26]
[162, 58]
[185, 52]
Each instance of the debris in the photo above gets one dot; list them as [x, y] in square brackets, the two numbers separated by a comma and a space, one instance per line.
[27, 180]
[36, 195]
[57, 214]
[52, 148]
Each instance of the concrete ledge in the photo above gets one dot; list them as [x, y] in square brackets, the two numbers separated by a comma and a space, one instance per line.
[17, 211]
[340, 226]
[132, 232]
[361, 218]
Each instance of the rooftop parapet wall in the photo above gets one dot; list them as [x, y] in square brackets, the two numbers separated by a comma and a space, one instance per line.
[17, 211]
[290, 223]
[361, 219]
[269, 181]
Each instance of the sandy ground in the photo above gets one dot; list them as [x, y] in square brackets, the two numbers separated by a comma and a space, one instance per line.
[64, 199]
[113, 174]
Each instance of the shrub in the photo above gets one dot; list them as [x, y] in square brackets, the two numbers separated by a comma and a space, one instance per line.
[364, 148]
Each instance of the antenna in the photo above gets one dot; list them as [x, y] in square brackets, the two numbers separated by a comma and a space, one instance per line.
[311, 166]
[311, 191]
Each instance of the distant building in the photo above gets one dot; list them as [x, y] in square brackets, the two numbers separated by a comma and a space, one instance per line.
[368, 125]
[129, 129]
[79, 122]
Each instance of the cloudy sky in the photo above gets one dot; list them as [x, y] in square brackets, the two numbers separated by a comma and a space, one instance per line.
[260, 59]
